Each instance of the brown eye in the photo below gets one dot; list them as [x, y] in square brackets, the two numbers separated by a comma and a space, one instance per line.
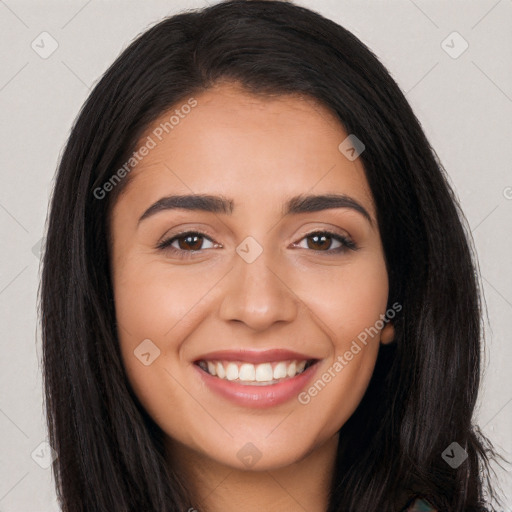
[322, 241]
[192, 242]
[319, 242]
[186, 242]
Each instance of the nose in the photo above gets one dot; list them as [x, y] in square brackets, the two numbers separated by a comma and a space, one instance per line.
[258, 296]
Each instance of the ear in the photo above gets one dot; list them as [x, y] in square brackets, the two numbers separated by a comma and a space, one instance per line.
[387, 335]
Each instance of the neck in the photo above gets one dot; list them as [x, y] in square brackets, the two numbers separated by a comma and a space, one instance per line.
[303, 485]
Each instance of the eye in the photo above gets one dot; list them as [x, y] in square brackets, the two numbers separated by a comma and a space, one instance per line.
[186, 243]
[322, 241]
[190, 242]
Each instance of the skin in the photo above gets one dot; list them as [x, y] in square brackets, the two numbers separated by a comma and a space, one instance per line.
[258, 152]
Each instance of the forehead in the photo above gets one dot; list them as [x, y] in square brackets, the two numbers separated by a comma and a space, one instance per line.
[237, 144]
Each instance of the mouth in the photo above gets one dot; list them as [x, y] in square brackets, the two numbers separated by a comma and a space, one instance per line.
[259, 379]
[248, 374]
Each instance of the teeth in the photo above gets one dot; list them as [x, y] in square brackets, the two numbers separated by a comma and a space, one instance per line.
[220, 370]
[280, 370]
[211, 368]
[292, 369]
[232, 371]
[250, 373]
[247, 372]
[264, 372]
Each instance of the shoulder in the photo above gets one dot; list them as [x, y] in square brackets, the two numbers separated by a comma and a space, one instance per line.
[420, 506]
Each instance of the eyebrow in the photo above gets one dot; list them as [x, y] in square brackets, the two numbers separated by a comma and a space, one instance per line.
[219, 204]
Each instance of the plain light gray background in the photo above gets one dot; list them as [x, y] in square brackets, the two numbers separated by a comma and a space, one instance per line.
[464, 103]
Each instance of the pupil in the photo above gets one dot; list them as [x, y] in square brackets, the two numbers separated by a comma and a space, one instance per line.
[324, 237]
[197, 245]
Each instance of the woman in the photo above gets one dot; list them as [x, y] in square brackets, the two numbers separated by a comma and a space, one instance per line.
[257, 290]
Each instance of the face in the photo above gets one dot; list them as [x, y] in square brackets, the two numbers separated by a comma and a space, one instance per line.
[281, 298]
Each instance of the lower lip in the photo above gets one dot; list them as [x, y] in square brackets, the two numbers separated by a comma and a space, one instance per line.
[258, 397]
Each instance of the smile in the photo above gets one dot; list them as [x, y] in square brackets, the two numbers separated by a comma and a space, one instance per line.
[255, 379]
[263, 374]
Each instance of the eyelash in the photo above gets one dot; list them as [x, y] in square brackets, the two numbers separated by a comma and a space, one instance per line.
[165, 245]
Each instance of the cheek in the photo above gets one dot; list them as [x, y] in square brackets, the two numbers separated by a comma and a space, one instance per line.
[351, 313]
[151, 297]
[151, 312]
[350, 300]
[351, 308]
[156, 302]
[338, 389]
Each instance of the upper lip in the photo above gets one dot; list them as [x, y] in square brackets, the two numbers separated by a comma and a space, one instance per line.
[254, 356]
